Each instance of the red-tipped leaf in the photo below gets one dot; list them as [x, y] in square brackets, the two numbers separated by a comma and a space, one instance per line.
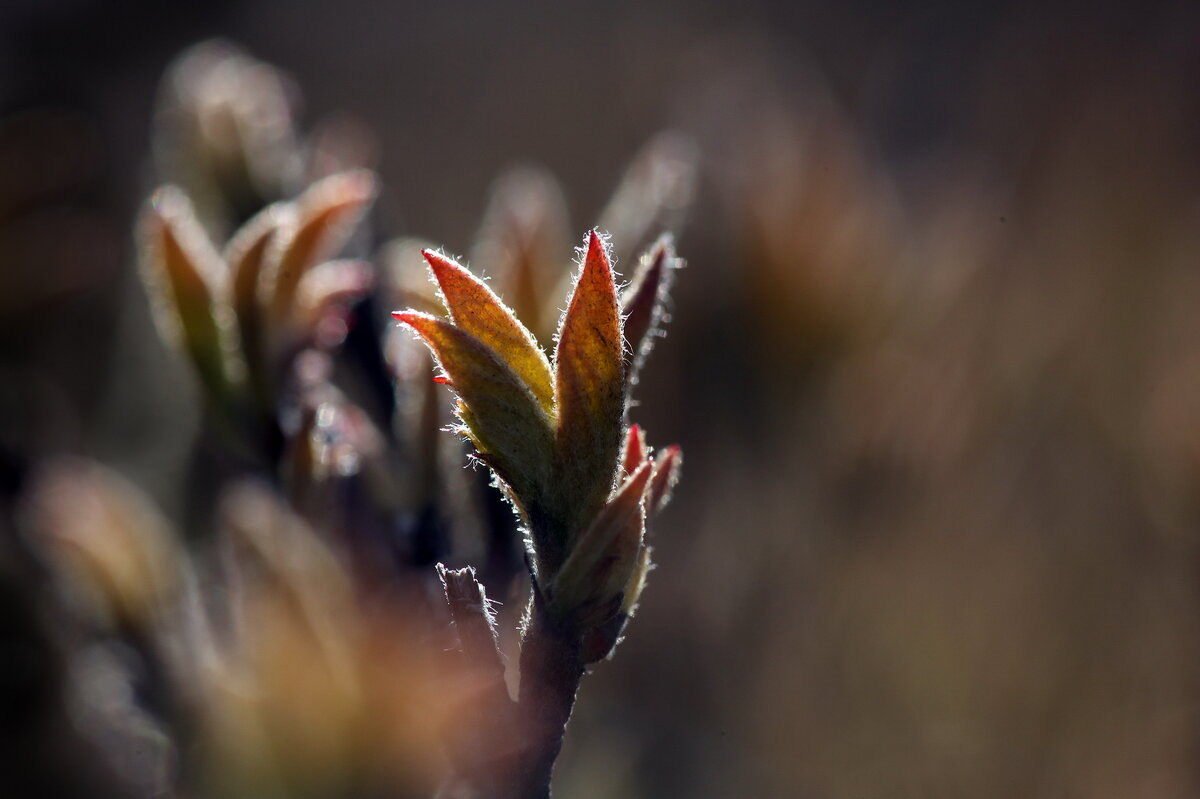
[504, 419]
[476, 309]
[634, 453]
[589, 374]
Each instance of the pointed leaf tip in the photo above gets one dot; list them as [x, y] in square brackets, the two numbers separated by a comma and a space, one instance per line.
[634, 454]
[589, 387]
[475, 308]
[667, 467]
[643, 299]
[596, 244]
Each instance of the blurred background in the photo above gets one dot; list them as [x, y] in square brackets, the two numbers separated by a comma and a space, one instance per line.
[934, 359]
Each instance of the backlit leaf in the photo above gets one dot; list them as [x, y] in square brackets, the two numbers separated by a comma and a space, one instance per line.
[245, 256]
[476, 309]
[667, 467]
[642, 301]
[634, 452]
[188, 281]
[506, 422]
[325, 216]
[589, 390]
[605, 556]
[637, 581]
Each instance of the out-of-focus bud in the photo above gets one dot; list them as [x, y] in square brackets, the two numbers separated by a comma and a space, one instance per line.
[244, 317]
[654, 194]
[245, 256]
[272, 550]
[225, 132]
[524, 234]
[315, 690]
[111, 547]
[188, 286]
[325, 216]
[282, 707]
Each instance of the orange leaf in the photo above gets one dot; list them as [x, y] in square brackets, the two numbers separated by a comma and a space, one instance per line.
[589, 391]
[504, 419]
[476, 309]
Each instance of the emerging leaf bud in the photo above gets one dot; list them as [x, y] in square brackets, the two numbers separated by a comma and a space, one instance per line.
[188, 284]
[100, 531]
[604, 558]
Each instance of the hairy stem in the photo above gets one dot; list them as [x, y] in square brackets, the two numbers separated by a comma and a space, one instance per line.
[551, 667]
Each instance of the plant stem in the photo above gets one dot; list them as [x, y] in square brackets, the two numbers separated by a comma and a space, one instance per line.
[551, 667]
